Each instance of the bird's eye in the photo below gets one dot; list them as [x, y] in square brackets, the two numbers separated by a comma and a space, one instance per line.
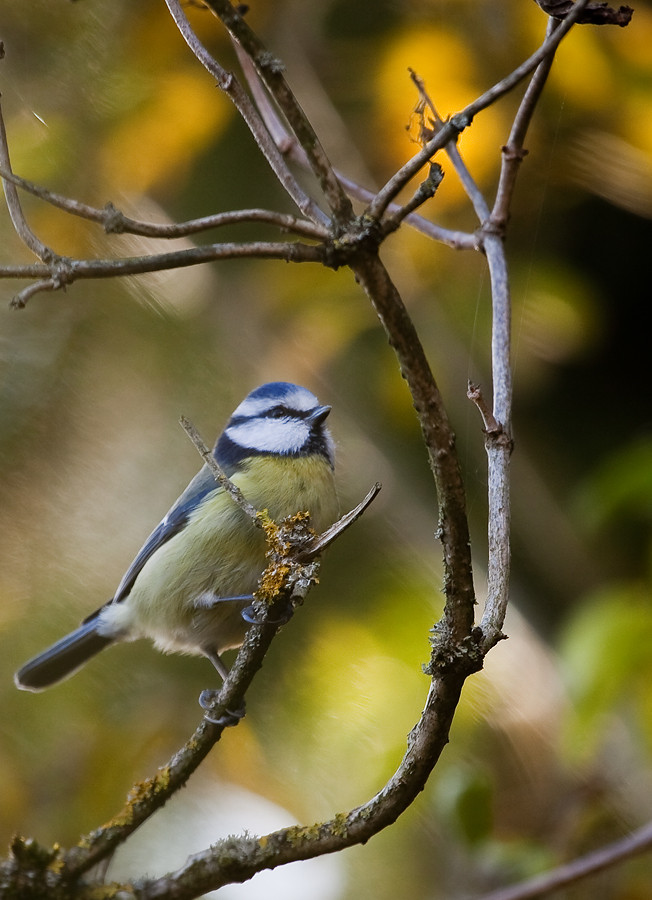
[278, 412]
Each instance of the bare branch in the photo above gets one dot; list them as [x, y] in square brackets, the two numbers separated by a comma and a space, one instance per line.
[513, 151]
[331, 534]
[474, 393]
[228, 83]
[24, 232]
[114, 221]
[637, 842]
[498, 445]
[233, 861]
[458, 122]
[428, 131]
[270, 70]
[594, 13]
[439, 440]
[76, 269]
[425, 191]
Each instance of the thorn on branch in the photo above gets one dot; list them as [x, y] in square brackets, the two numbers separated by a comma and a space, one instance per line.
[594, 13]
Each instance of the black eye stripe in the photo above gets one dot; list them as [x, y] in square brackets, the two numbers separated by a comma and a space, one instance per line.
[280, 412]
[275, 412]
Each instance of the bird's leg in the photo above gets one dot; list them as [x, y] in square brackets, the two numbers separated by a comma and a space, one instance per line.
[207, 697]
[209, 600]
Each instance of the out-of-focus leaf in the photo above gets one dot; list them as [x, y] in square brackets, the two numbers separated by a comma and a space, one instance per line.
[556, 316]
[465, 795]
[620, 486]
[607, 659]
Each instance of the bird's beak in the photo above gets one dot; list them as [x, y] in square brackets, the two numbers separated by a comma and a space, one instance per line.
[318, 415]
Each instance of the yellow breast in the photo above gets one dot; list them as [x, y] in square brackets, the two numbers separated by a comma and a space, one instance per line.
[220, 553]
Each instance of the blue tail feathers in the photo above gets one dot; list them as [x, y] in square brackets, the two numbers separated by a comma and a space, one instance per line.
[62, 658]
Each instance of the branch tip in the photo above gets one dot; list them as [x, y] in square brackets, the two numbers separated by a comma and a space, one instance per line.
[476, 396]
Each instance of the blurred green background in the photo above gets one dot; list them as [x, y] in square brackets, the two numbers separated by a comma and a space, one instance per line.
[551, 751]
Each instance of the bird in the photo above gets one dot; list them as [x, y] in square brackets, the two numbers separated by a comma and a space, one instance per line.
[194, 576]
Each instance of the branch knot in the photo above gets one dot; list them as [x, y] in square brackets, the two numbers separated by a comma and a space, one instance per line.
[462, 657]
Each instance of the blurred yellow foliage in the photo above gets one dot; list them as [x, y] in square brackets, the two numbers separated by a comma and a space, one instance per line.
[451, 79]
[160, 140]
[582, 72]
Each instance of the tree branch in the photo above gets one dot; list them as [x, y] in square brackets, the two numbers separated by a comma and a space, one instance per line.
[66, 271]
[292, 569]
[114, 221]
[270, 71]
[24, 232]
[458, 122]
[637, 842]
[513, 151]
[229, 84]
[427, 132]
[593, 14]
[440, 443]
[237, 860]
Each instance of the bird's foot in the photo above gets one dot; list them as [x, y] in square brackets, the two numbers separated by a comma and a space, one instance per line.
[250, 616]
[228, 717]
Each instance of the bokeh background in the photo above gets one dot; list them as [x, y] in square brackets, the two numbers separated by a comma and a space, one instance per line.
[551, 750]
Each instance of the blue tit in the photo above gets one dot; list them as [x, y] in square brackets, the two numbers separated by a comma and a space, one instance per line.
[195, 574]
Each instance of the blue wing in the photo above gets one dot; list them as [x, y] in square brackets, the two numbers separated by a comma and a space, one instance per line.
[200, 487]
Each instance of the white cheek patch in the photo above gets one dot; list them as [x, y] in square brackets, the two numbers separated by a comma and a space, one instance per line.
[270, 435]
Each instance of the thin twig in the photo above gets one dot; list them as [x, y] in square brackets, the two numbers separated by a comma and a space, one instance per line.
[228, 83]
[270, 70]
[219, 474]
[513, 151]
[458, 122]
[331, 534]
[114, 221]
[474, 393]
[24, 232]
[76, 269]
[637, 842]
[467, 181]
[425, 191]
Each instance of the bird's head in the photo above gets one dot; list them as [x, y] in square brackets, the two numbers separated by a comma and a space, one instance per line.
[276, 419]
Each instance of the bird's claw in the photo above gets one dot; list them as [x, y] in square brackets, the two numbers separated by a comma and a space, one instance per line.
[229, 717]
[252, 618]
